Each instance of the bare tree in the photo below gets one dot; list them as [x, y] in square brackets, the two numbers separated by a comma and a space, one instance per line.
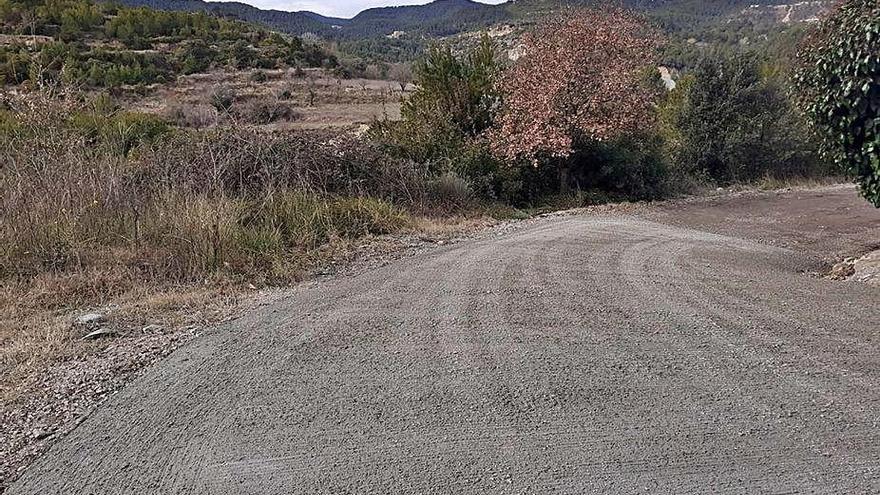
[402, 74]
[372, 71]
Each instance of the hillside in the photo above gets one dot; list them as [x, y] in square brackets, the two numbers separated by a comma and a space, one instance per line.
[288, 22]
[95, 44]
[439, 18]
[448, 17]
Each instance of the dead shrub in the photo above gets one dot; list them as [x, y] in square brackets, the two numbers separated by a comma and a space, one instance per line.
[196, 116]
[222, 98]
[190, 204]
[450, 190]
[265, 111]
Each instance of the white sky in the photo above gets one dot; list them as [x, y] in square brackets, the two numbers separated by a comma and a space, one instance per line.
[336, 8]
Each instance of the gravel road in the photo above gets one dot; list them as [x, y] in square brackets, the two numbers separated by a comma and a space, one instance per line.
[628, 353]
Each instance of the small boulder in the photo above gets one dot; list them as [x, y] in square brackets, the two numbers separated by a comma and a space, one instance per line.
[150, 329]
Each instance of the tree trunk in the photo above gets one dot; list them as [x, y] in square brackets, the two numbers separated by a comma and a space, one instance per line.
[564, 182]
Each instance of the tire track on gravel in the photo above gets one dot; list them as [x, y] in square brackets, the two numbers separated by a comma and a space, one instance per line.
[576, 354]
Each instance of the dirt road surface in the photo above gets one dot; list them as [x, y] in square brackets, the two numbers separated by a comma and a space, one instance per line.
[685, 348]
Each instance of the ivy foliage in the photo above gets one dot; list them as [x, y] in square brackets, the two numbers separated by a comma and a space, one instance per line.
[838, 78]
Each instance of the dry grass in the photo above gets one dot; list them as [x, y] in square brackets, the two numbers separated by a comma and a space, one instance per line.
[83, 225]
[37, 317]
[769, 183]
[315, 101]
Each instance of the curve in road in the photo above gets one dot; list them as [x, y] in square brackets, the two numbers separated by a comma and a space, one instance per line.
[593, 353]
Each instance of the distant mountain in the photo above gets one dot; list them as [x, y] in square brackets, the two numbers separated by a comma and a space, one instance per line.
[448, 17]
[438, 18]
[287, 22]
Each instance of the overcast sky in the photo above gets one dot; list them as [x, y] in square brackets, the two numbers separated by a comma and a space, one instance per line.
[335, 8]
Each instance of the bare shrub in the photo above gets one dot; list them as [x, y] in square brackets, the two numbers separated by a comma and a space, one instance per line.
[191, 204]
[402, 74]
[237, 161]
[222, 98]
[286, 92]
[450, 190]
[197, 116]
[266, 111]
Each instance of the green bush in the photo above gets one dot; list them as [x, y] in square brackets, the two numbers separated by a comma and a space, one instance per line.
[840, 90]
[222, 98]
[126, 130]
[728, 121]
[454, 102]
[117, 133]
[631, 167]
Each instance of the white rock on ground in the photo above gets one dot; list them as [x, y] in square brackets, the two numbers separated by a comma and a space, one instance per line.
[867, 268]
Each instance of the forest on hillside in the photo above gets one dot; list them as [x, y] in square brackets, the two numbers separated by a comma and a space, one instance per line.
[99, 44]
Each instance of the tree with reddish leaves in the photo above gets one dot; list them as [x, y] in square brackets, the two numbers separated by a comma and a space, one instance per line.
[581, 79]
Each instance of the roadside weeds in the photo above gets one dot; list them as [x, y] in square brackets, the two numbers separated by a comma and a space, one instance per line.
[53, 376]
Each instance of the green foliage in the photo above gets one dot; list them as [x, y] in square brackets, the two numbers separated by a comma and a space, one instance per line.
[118, 132]
[443, 119]
[222, 99]
[454, 102]
[15, 64]
[195, 56]
[458, 90]
[259, 76]
[202, 41]
[125, 131]
[631, 166]
[839, 80]
[732, 123]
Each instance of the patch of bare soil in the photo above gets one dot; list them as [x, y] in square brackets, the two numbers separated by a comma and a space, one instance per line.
[827, 223]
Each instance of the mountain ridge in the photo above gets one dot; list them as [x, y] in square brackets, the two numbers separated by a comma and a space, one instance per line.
[443, 17]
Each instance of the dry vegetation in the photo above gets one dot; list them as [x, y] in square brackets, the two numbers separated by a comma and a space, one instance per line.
[271, 99]
[150, 226]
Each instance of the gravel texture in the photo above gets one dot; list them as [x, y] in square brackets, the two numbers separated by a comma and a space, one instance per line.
[672, 348]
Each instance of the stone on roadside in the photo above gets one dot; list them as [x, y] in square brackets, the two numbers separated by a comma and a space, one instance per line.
[153, 328]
